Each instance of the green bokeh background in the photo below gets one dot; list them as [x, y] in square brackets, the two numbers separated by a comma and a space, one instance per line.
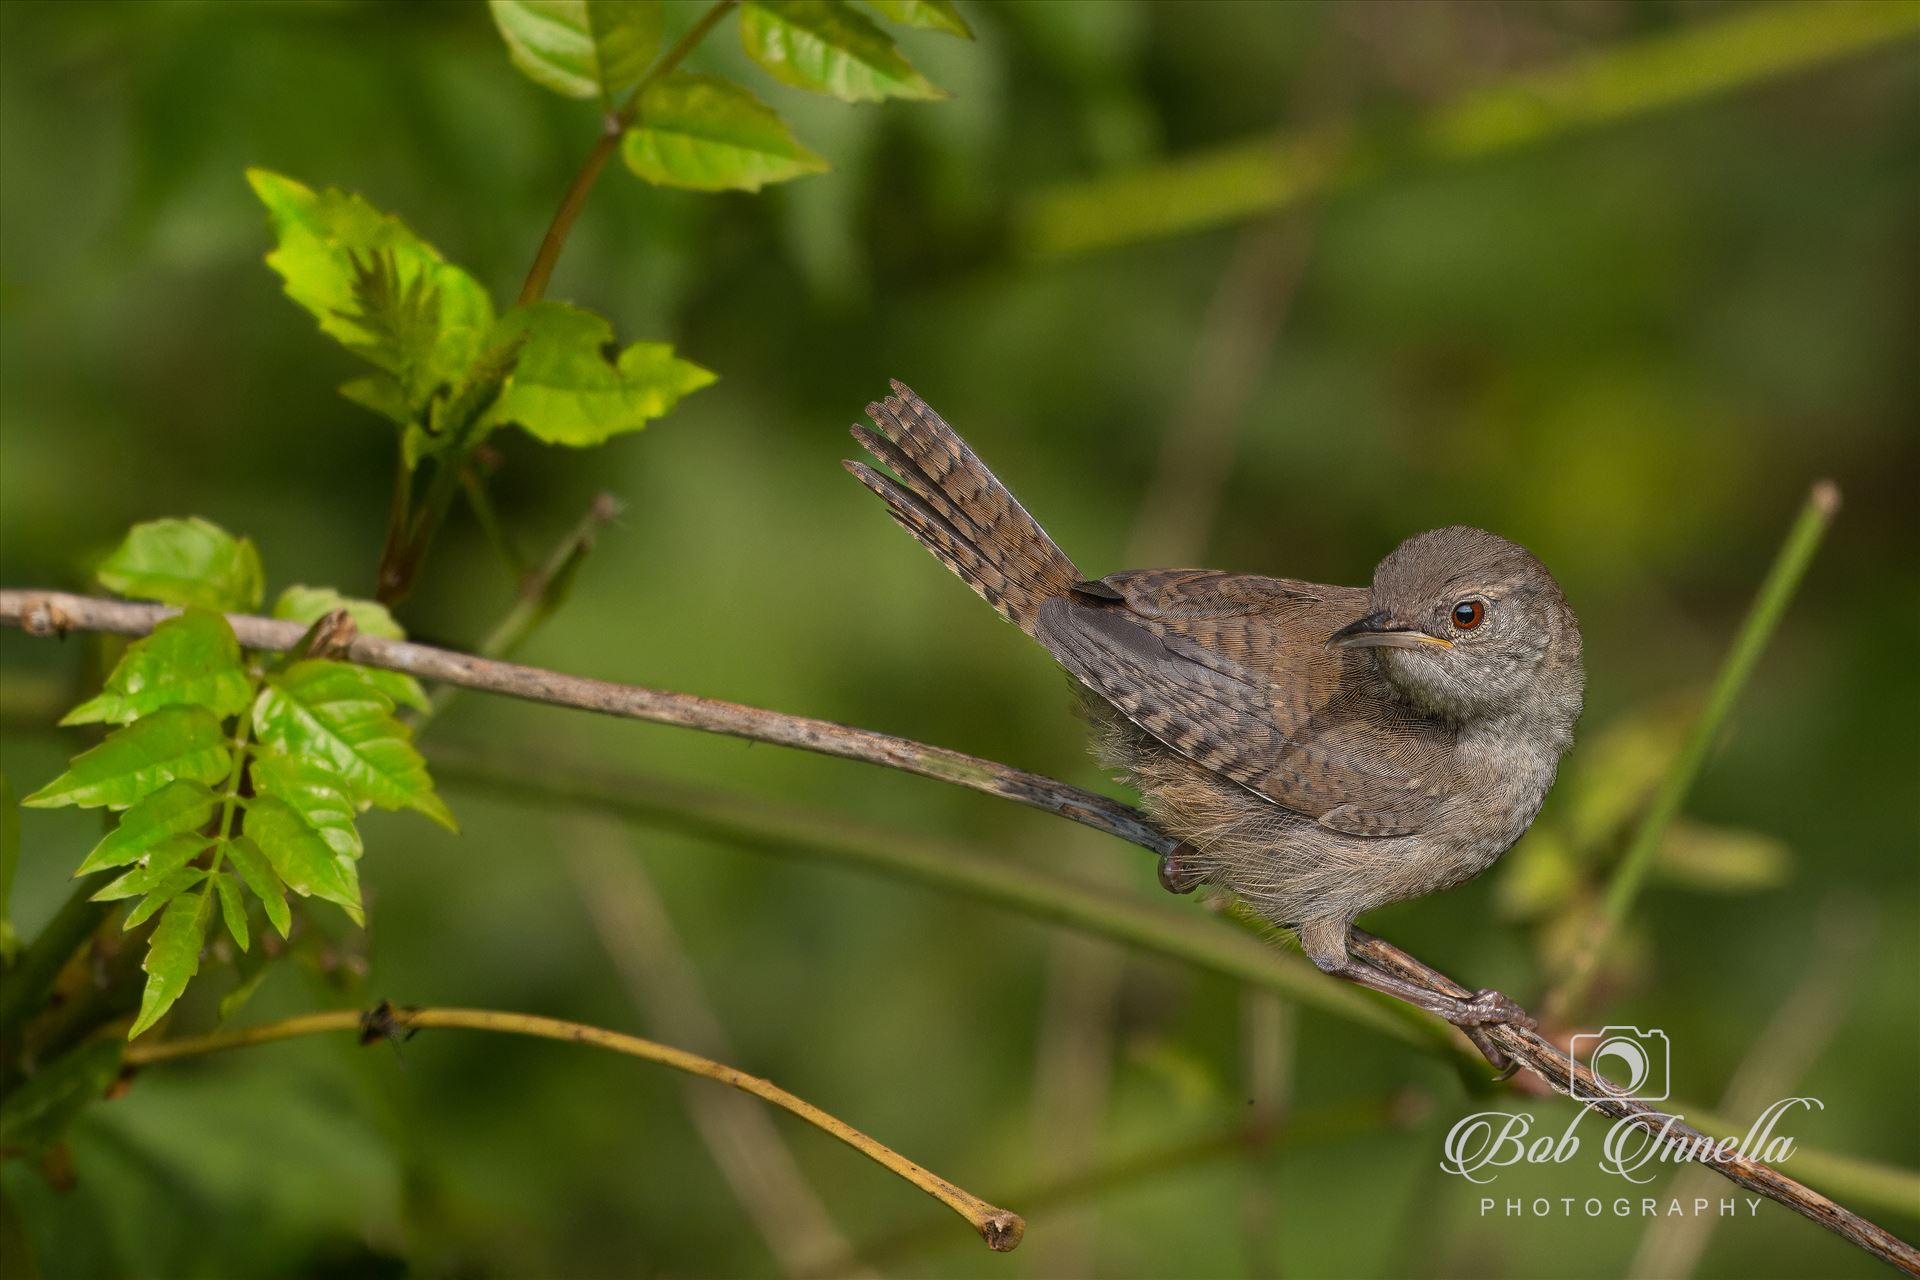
[1631, 348]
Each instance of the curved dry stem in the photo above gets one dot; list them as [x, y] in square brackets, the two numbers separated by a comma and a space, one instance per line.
[1000, 1228]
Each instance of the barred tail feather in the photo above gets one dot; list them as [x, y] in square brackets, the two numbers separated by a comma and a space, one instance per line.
[943, 495]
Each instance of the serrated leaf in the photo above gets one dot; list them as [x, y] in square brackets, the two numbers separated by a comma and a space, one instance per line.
[708, 134]
[314, 792]
[581, 48]
[37, 1114]
[173, 957]
[301, 859]
[307, 605]
[192, 659]
[139, 759]
[169, 888]
[233, 908]
[374, 286]
[328, 711]
[825, 46]
[928, 15]
[160, 863]
[564, 390]
[178, 808]
[262, 880]
[186, 562]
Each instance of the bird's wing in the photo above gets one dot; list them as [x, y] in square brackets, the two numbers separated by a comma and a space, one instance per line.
[1232, 671]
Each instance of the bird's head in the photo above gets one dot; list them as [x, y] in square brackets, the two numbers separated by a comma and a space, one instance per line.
[1467, 625]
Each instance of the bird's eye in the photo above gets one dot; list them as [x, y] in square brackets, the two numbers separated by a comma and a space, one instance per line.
[1468, 614]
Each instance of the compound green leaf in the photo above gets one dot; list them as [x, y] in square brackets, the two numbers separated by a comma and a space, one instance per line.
[156, 869]
[138, 760]
[300, 857]
[186, 562]
[565, 390]
[172, 886]
[825, 46]
[708, 134]
[313, 791]
[928, 15]
[329, 711]
[376, 287]
[192, 659]
[173, 957]
[581, 48]
[36, 1115]
[233, 908]
[260, 877]
[181, 807]
[307, 605]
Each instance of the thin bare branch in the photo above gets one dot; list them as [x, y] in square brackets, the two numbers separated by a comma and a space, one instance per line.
[1000, 1228]
[45, 613]
[50, 613]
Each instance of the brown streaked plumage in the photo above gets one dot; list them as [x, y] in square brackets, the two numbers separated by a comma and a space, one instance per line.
[1320, 751]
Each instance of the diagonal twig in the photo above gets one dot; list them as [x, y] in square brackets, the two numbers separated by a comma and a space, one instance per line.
[45, 613]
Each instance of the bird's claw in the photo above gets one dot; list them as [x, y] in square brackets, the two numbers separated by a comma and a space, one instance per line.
[1181, 870]
[1490, 1007]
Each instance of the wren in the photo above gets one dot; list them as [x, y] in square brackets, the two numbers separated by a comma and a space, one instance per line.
[1319, 751]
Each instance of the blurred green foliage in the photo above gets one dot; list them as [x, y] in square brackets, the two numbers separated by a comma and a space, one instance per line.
[1630, 348]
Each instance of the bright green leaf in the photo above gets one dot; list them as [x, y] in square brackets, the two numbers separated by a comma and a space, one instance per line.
[173, 957]
[233, 908]
[261, 878]
[928, 15]
[383, 394]
[313, 791]
[169, 888]
[827, 47]
[186, 562]
[193, 659]
[158, 866]
[37, 1113]
[299, 856]
[138, 760]
[179, 807]
[581, 48]
[565, 390]
[374, 286]
[709, 134]
[327, 710]
[307, 605]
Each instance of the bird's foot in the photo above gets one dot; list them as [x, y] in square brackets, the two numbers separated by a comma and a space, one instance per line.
[1181, 870]
[1488, 1008]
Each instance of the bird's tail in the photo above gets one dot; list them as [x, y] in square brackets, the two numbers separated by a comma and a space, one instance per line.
[956, 508]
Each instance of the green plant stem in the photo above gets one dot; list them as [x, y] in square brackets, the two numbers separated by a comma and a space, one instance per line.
[1000, 1228]
[1265, 174]
[1769, 604]
[25, 988]
[487, 516]
[738, 822]
[575, 197]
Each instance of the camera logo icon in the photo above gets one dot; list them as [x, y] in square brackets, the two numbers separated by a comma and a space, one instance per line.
[1626, 1063]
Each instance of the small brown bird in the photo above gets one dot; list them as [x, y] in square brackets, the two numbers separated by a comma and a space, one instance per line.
[1320, 751]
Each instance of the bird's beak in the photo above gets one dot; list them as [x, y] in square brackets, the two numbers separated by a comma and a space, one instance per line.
[1375, 631]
